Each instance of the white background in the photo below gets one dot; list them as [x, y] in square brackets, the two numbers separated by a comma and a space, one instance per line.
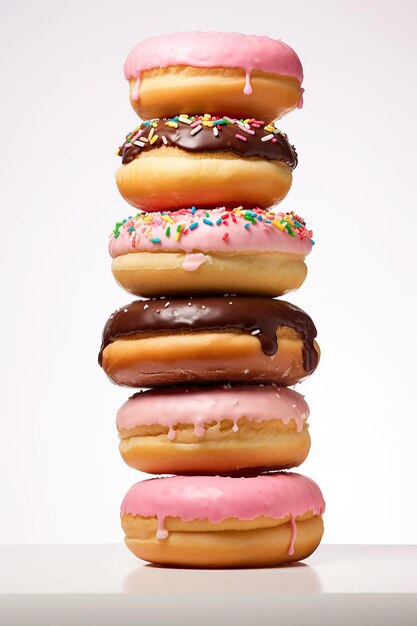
[64, 110]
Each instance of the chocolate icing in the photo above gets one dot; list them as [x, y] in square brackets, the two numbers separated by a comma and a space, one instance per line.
[245, 314]
[206, 141]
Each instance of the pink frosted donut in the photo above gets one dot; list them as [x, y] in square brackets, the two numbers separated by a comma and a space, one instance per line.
[214, 430]
[190, 251]
[269, 519]
[224, 73]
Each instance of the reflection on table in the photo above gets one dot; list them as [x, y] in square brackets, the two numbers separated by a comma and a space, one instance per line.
[297, 577]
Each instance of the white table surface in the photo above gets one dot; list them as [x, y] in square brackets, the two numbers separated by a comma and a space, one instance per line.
[105, 584]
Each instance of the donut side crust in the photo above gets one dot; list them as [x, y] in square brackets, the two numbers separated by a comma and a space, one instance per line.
[255, 446]
[251, 273]
[165, 92]
[231, 543]
[148, 360]
[171, 178]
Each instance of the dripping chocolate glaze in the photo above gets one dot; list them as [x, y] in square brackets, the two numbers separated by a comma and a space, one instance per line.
[206, 141]
[245, 314]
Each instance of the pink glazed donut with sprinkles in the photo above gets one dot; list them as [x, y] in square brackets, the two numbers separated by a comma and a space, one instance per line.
[224, 73]
[252, 252]
[213, 521]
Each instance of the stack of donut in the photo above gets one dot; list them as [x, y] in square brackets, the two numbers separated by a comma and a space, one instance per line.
[206, 253]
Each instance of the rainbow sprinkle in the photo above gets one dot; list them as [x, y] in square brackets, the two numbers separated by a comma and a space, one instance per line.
[196, 123]
[186, 221]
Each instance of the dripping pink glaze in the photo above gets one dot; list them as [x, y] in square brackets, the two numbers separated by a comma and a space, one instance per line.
[193, 261]
[293, 535]
[259, 237]
[136, 90]
[217, 498]
[199, 407]
[247, 90]
[197, 49]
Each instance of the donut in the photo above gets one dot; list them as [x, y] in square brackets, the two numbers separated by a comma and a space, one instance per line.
[214, 430]
[208, 339]
[167, 163]
[226, 73]
[254, 252]
[214, 521]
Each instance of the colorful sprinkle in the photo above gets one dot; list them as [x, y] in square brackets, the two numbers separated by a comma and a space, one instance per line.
[248, 129]
[116, 231]
[196, 130]
[178, 233]
[278, 224]
[186, 221]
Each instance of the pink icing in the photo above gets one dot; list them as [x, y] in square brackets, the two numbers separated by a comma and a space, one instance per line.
[293, 535]
[199, 407]
[193, 261]
[197, 49]
[136, 90]
[217, 498]
[259, 237]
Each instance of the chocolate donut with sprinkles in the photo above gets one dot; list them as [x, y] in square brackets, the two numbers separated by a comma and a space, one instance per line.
[248, 137]
[168, 163]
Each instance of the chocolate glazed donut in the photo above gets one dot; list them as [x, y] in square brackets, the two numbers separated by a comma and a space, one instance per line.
[255, 140]
[257, 316]
[168, 163]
